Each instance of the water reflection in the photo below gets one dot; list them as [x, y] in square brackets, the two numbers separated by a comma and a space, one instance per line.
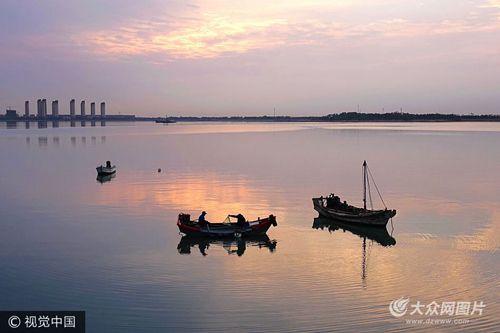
[103, 179]
[42, 141]
[56, 140]
[377, 234]
[236, 246]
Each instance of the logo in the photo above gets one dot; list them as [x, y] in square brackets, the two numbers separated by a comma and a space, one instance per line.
[399, 306]
[14, 322]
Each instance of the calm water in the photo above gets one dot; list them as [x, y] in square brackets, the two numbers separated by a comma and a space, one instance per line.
[69, 242]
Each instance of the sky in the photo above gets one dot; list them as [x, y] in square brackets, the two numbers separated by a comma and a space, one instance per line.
[217, 57]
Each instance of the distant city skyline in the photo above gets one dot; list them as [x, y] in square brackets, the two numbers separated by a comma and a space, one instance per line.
[217, 58]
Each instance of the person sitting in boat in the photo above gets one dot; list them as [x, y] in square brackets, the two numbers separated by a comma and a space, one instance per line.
[241, 221]
[332, 201]
[108, 164]
[201, 220]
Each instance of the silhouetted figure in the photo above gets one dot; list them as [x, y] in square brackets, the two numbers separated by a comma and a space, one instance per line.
[203, 247]
[241, 221]
[201, 220]
[332, 201]
[108, 164]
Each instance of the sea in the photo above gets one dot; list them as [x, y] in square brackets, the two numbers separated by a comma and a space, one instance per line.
[111, 247]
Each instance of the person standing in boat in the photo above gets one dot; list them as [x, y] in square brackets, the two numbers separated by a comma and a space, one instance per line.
[201, 220]
[241, 221]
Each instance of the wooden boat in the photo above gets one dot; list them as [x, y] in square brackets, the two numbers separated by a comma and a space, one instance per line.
[252, 228]
[106, 170]
[331, 207]
[105, 178]
[231, 245]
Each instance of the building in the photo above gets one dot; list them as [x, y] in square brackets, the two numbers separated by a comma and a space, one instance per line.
[82, 108]
[44, 108]
[72, 108]
[55, 108]
[39, 108]
[92, 109]
[27, 109]
[10, 114]
[103, 109]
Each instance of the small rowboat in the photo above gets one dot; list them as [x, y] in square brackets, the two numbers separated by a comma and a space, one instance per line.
[106, 170]
[252, 228]
[332, 208]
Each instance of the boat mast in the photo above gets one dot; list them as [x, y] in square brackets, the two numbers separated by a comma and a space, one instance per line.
[364, 185]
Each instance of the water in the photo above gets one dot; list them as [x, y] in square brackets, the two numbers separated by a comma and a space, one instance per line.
[69, 242]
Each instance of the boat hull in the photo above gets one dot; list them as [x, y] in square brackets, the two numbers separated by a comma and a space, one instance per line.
[104, 171]
[254, 228]
[366, 217]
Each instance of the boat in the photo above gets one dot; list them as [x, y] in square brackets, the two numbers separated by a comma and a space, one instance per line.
[225, 229]
[236, 246]
[331, 207]
[106, 170]
[105, 178]
[165, 120]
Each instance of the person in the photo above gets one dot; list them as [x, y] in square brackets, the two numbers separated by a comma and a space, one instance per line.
[241, 221]
[201, 220]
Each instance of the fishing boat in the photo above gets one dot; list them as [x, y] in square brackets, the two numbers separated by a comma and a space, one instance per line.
[332, 207]
[105, 178]
[106, 170]
[236, 246]
[226, 228]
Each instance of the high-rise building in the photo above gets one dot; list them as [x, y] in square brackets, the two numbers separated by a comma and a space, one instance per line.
[103, 109]
[27, 109]
[39, 108]
[72, 108]
[44, 108]
[92, 109]
[82, 108]
[55, 108]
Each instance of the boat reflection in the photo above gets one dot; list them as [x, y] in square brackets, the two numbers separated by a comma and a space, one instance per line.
[377, 234]
[106, 178]
[236, 246]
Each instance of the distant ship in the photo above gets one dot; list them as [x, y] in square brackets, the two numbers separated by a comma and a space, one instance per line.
[165, 120]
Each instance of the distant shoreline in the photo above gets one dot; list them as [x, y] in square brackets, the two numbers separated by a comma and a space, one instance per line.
[394, 117]
[346, 117]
